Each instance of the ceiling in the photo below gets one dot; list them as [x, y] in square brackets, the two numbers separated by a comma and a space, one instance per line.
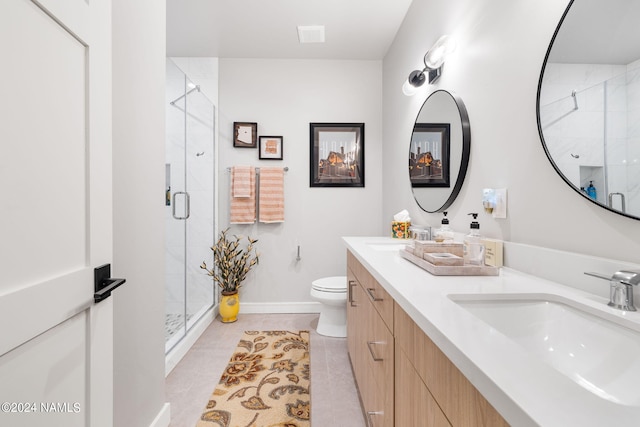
[354, 29]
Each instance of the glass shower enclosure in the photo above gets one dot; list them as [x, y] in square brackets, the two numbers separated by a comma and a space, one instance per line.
[189, 204]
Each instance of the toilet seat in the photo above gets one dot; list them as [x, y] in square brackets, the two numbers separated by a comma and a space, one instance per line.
[335, 284]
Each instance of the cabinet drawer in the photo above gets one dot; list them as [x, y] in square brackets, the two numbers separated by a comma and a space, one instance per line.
[379, 351]
[379, 405]
[381, 300]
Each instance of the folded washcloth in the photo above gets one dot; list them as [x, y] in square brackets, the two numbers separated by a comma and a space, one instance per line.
[243, 209]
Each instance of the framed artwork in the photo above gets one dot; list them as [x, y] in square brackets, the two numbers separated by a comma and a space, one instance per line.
[429, 155]
[245, 134]
[336, 154]
[270, 148]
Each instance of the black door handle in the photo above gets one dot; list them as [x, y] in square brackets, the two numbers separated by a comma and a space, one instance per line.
[103, 283]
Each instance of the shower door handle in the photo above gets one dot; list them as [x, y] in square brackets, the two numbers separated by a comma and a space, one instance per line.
[187, 205]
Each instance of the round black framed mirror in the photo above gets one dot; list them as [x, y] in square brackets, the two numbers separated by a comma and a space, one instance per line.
[588, 109]
[439, 151]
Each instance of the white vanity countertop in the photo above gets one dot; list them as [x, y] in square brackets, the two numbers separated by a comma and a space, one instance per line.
[524, 389]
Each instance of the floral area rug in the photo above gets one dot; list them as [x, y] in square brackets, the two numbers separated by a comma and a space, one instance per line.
[266, 383]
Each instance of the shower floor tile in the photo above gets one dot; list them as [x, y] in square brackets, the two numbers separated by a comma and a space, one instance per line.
[174, 323]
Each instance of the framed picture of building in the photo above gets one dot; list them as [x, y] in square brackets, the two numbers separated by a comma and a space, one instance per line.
[270, 147]
[429, 155]
[245, 134]
[336, 154]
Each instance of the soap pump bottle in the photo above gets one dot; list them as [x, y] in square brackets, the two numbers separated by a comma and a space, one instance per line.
[473, 247]
[444, 233]
[591, 191]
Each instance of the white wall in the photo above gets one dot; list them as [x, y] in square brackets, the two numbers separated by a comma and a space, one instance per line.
[138, 188]
[283, 97]
[495, 69]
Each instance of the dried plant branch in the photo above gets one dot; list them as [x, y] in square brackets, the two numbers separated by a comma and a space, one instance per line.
[232, 262]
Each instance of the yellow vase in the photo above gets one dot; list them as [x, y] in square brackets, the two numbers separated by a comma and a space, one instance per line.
[229, 307]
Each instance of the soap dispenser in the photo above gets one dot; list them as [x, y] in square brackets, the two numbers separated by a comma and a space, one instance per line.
[591, 191]
[444, 233]
[473, 247]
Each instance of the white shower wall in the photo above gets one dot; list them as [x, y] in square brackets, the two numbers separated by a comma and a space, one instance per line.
[581, 132]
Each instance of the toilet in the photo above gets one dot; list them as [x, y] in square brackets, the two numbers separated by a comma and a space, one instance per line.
[331, 292]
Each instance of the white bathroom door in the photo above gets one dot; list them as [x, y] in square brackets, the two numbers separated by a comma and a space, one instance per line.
[56, 343]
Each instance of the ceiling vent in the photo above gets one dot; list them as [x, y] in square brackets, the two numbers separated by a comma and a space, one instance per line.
[311, 33]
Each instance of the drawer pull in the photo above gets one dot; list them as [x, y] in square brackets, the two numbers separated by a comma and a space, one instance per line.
[352, 283]
[369, 344]
[371, 291]
[369, 414]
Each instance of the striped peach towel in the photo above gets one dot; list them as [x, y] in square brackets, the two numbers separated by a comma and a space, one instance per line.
[241, 181]
[271, 199]
[243, 208]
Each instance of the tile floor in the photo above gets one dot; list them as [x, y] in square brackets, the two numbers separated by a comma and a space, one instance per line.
[334, 399]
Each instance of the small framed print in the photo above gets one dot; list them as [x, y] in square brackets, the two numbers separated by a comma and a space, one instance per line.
[245, 134]
[270, 148]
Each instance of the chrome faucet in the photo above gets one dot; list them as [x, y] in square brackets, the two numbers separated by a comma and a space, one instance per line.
[621, 288]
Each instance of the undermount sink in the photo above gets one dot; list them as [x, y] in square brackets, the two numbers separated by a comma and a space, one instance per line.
[598, 351]
[386, 246]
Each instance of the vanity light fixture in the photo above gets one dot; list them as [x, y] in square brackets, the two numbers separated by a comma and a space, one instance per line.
[433, 60]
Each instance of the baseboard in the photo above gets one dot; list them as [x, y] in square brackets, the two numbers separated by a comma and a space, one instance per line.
[163, 419]
[279, 307]
[180, 350]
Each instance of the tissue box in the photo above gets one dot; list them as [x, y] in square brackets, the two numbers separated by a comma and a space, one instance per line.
[400, 229]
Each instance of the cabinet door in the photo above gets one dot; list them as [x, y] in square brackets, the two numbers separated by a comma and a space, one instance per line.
[459, 399]
[415, 406]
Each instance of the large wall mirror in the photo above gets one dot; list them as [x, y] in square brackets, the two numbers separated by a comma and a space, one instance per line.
[589, 102]
[439, 151]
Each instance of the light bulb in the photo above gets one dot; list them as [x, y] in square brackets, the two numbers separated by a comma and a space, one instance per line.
[436, 56]
[409, 89]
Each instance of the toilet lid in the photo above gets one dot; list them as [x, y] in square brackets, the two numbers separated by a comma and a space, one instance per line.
[331, 284]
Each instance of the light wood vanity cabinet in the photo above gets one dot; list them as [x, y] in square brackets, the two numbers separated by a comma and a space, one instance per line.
[403, 378]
